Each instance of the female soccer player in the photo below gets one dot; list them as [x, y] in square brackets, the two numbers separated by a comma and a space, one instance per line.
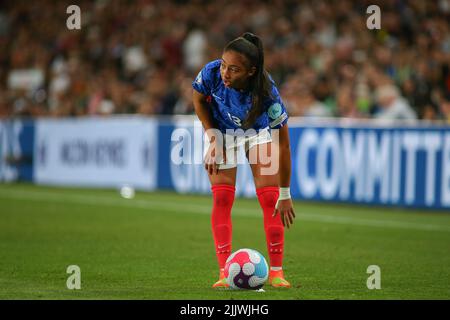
[236, 92]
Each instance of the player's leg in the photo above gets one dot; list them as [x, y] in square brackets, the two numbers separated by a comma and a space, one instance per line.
[265, 175]
[223, 190]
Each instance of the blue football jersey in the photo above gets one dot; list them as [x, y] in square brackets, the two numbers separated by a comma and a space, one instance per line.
[230, 106]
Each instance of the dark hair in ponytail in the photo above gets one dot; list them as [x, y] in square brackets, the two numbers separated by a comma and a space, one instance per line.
[251, 47]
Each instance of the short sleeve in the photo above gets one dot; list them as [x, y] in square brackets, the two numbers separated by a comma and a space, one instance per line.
[276, 111]
[203, 83]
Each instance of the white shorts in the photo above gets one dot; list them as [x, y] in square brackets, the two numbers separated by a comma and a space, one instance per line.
[233, 144]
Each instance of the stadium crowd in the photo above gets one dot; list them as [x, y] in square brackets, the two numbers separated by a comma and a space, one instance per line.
[141, 56]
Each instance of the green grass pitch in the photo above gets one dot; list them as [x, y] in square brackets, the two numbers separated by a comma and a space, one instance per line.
[159, 246]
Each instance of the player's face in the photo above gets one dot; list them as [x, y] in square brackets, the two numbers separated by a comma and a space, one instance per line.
[235, 70]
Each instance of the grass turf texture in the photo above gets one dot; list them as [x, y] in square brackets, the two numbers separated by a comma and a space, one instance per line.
[159, 246]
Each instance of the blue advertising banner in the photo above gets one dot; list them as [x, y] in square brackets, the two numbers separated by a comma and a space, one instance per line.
[16, 150]
[372, 165]
[356, 163]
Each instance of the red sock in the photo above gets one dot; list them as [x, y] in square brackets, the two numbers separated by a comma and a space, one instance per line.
[273, 226]
[223, 198]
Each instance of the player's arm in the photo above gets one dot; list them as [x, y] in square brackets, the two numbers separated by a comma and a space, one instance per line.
[284, 205]
[202, 109]
[285, 157]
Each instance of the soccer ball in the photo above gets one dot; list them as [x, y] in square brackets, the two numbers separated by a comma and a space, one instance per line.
[246, 269]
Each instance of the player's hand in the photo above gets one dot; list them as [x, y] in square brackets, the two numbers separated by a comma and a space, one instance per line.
[286, 210]
[214, 156]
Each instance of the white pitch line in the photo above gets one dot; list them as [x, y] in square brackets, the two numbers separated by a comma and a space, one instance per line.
[205, 209]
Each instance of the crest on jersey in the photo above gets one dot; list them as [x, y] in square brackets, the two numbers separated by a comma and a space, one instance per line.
[275, 110]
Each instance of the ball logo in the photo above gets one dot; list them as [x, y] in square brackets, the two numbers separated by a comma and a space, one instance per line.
[275, 110]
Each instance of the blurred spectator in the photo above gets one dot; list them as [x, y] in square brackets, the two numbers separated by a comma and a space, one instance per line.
[139, 56]
[346, 103]
[444, 108]
[184, 104]
[392, 105]
[194, 50]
